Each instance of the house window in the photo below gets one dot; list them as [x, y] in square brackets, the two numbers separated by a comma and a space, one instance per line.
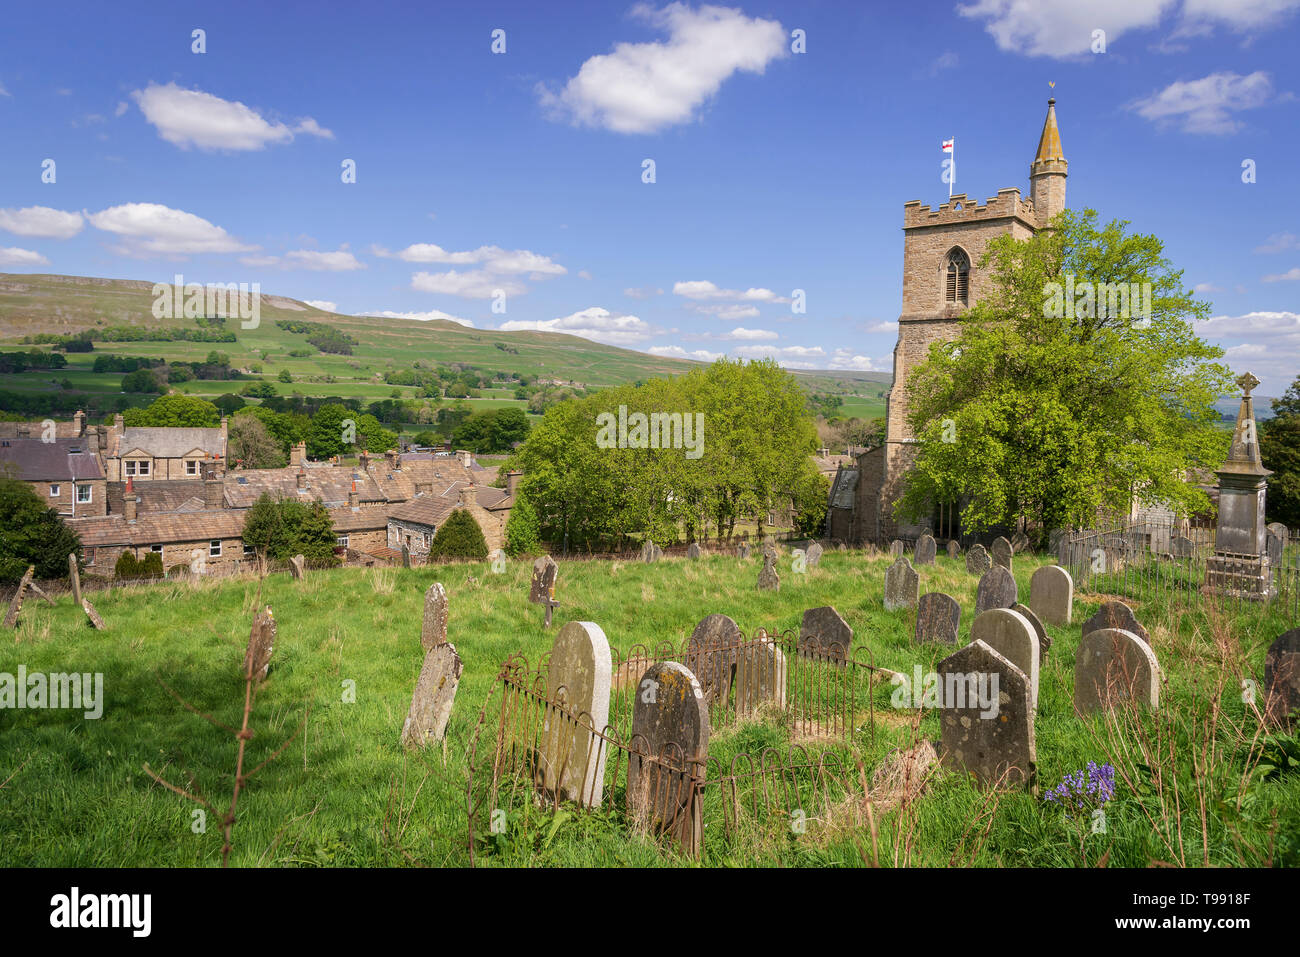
[214, 548]
[341, 541]
[54, 491]
[957, 277]
[156, 548]
[192, 467]
[140, 467]
[248, 551]
[88, 555]
[83, 494]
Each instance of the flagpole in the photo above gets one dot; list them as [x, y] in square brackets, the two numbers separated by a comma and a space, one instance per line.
[952, 167]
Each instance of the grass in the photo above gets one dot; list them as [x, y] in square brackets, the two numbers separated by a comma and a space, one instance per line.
[345, 793]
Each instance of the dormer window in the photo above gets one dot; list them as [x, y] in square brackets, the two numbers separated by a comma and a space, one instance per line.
[957, 277]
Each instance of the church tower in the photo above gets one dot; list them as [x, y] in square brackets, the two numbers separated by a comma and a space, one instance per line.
[941, 281]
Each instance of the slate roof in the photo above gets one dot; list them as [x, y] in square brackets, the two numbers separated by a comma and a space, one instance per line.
[37, 461]
[170, 443]
[431, 510]
[160, 528]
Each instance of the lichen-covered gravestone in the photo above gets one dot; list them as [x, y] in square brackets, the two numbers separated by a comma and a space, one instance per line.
[1051, 594]
[1113, 666]
[670, 749]
[711, 654]
[925, 550]
[813, 556]
[1282, 678]
[74, 576]
[435, 693]
[760, 675]
[938, 617]
[902, 585]
[433, 630]
[1116, 614]
[1275, 542]
[578, 676]
[768, 579]
[261, 644]
[297, 567]
[824, 633]
[649, 552]
[1044, 639]
[1019, 542]
[1011, 635]
[1180, 547]
[16, 605]
[693, 550]
[978, 560]
[897, 547]
[541, 590]
[95, 621]
[742, 550]
[997, 589]
[1002, 552]
[954, 548]
[406, 555]
[987, 719]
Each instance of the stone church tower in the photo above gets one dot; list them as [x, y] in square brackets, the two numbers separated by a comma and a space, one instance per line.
[941, 280]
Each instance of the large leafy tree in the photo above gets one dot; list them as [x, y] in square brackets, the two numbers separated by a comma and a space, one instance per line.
[32, 534]
[1279, 445]
[175, 411]
[282, 528]
[252, 444]
[459, 537]
[1038, 414]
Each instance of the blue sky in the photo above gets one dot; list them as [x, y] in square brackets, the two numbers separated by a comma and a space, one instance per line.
[522, 171]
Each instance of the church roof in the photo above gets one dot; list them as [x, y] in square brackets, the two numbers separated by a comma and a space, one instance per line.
[1049, 144]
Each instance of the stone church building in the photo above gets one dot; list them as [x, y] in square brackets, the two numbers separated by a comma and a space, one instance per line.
[941, 248]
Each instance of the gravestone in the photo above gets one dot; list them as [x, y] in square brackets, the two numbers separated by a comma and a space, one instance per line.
[841, 547]
[1275, 542]
[542, 589]
[578, 676]
[992, 736]
[435, 693]
[95, 621]
[1011, 635]
[74, 575]
[771, 551]
[39, 592]
[1116, 614]
[925, 551]
[669, 752]
[824, 633]
[1282, 679]
[297, 567]
[16, 604]
[742, 550]
[768, 579]
[649, 552]
[1051, 594]
[954, 548]
[693, 550]
[938, 616]
[433, 630]
[1180, 547]
[1044, 639]
[261, 643]
[902, 585]
[814, 555]
[1002, 552]
[978, 560]
[711, 654]
[897, 547]
[406, 555]
[1019, 542]
[1113, 666]
[760, 675]
[997, 589]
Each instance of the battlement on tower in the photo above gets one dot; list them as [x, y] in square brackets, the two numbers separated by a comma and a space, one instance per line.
[1006, 204]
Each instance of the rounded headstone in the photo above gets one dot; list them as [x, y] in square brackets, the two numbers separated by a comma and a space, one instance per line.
[1116, 614]
[925, 551]
[1282, 678]
[954, 548]
[902, 585]
[1011, 635]
[1002, 552]
[823, 632]
[711, 653]
[978, 560]
[1051, 594]
[578, 675]
[1044, 639]
[997, 589]
[938, 617]
[1113, 666]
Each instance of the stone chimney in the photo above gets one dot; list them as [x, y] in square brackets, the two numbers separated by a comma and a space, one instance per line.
[469, 496]
[129, 503]
[302, 477]
[213, 491]
[466, 458]
[79, 423]
[393, 460]
[298, 455]
[225, 437]
[354, 500]
[364, 456]
[512, 482]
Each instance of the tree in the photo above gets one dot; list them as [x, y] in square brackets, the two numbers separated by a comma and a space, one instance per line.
[32, 534]
[522, 534]
[143, 381]
[459, 537]
[251, 443]
[373, 436]
[260, 390]
[175, 411]
[811, 500]
[229, 403]
[1279, 446]
[1051, 414]
[282, 528]
[328, 431]
[285, 376]
[863, 433]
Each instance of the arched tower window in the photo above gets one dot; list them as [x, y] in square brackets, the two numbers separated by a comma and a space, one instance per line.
[956, 277]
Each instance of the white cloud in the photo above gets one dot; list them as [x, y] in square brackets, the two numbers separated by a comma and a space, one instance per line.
[4, 92]
[945, 61]
[1265, 343]
[1064, 29]
[122, 107]
[792, 357]
[594, 323]
[323, 304]
[1206, 287]
[151, 229]
[13, 256]
[422, 316]
[40, 221]
[193, 118]
[886, 327]
[846, 359]
[725, 311]
[645, 87]
[702, 289]
[1279, 242]
[1240, 17]
[260, 260]
[1206, 105]
[677, 352]
[491, 258]
[642, 293]
[1290, 274]
[740, 332]
[583, 274]
[471, 284]
[340, 260]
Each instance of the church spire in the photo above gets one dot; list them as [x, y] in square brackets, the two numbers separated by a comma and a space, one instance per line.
[1048, 171]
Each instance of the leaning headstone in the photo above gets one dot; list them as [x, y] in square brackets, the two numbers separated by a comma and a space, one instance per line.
[813, 555]
[406, 555]
[693, 550]
[1051, 594]
[95, 621]
[1282, 679]
[39, 592]
[435, 693]
[297, 566]
[824, 633]
[768, 579]
[16, 604]
[1019, 542]
[987, 729]
[669, 751]
[1011, 635]
[897, 547]
[760, 675]
[1180, 547]
[902, 585]
[1044, 639]
[742, 550]
[1113, 666]
[997, 589]
[261, 643]
[925, 551]
[74, 575]
[541, 591]
[1002, 552]
[978, 560]
[938, 616]
[954, 548]
[577, 684]
[433, 630]
[1116, 614]
[711, 654]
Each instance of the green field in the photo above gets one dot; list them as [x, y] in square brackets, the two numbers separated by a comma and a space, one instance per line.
[344, 792]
